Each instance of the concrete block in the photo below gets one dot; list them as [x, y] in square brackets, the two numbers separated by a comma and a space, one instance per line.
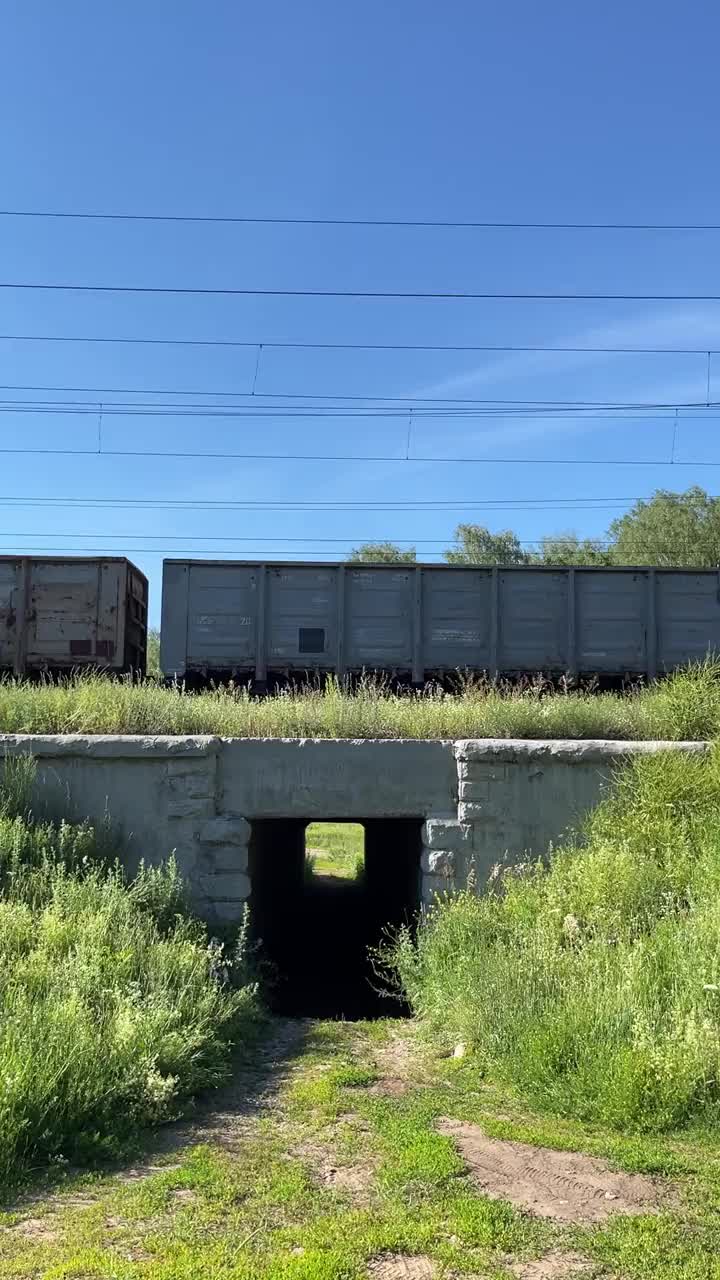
[438, 862]
[225, 831]
[190, 808]
[187, 854]
[226, 886]
[433, 887]
[471, 813]
[445, 833]
[492, 771]
[476, 792]
[195, 786]
[189, 766]
[231, 857]
[226, 912]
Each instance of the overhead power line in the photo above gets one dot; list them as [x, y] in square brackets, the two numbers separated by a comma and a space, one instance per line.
[417, 295]
[432, 460]
[330, 507]
[376, 403]
[401, 223]
[492, 411]
[358, 540]
[360, 346]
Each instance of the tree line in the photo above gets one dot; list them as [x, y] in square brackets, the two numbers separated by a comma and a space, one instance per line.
[667, 530]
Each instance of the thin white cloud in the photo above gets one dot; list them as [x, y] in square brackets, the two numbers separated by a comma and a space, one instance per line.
[672, 327]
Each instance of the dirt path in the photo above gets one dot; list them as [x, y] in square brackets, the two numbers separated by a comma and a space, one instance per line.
[330, 1158]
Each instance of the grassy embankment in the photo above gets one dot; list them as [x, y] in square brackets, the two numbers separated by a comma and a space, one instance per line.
[593, 987]
[110, 1011]
[686, 706]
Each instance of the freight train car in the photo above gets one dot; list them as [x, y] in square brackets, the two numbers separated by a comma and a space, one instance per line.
[62, 614]
[264, 621]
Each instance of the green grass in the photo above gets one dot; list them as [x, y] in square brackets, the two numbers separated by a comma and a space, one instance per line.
[686, 706]
[110, 1013]
[336, 849]
[594, 986]
[257, 1208]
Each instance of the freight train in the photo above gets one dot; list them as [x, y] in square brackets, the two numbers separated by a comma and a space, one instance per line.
[264, 622]
[60, 614]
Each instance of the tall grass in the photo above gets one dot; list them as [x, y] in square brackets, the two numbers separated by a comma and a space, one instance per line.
[594, 985]
[111, 1013]
[685, 706]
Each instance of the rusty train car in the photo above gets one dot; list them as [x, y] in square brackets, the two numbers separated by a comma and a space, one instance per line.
[58, 614]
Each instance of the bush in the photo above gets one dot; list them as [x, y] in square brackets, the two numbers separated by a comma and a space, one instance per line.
[594, 984]
[111, 1013]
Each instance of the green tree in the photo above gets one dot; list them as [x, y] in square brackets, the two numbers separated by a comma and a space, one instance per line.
[382, 553]
[153, 652]
[474, 544]
[669, 529]
[569, 549]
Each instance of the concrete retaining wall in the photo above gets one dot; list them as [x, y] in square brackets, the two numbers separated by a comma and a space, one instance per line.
[481, 800]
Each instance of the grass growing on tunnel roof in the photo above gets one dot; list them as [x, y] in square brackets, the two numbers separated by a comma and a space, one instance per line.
[686, 706]
[594, 985]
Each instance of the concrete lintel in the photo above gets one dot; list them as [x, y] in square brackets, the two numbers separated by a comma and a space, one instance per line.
[336, 779]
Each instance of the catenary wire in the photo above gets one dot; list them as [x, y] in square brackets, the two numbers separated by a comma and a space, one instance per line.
[425, 223]
[405, 541]
[432, 460]
[449, 402]
[358, 346]
[416, 295]
[140, 409]
[332, 507]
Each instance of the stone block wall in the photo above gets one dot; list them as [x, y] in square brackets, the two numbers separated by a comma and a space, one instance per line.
[482, 801]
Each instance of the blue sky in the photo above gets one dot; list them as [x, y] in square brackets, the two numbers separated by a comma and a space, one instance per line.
[515, 112]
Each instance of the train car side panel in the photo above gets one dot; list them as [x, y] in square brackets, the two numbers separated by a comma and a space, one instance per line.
[301, 626]
[379, 618]
[688, 616]
[9, 589]
[612, 620]
[533, 625]
[456, 616]
[221, 617]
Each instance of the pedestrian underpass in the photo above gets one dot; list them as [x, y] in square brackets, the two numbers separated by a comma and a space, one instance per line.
[318, 930]
[437, 816]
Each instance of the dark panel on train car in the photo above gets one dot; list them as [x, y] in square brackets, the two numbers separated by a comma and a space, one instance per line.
[302, 612]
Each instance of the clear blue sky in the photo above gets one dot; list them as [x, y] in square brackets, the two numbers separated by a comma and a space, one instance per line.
[520, 111]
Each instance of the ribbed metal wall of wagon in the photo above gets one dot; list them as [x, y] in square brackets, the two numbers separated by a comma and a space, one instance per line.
[261, 622]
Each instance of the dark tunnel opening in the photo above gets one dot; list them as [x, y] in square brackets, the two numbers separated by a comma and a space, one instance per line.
[317, 930]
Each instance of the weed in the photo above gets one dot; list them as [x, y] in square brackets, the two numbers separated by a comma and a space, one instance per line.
[685, 706]
[594, 985]
[110, 1012]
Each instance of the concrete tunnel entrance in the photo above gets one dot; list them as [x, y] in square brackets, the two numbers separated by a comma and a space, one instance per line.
[317, 929]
